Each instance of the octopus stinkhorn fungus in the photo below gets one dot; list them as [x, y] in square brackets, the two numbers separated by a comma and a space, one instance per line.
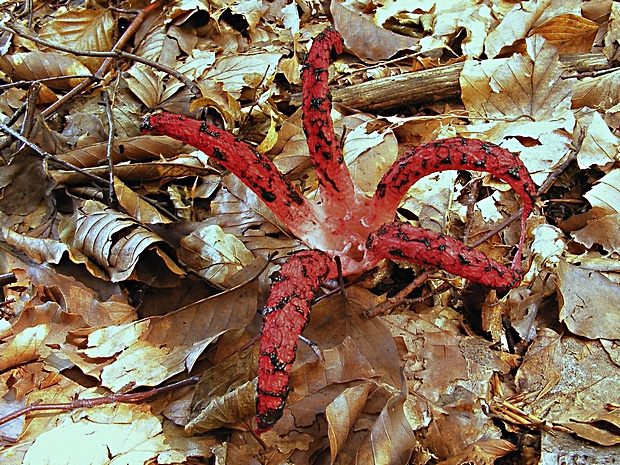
[344, 223]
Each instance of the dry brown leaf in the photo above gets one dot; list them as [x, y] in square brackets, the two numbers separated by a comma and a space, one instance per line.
[136, 149]
[342, 413]
[573, 379]
[136, 173]
[590, 305]
[391, 440]
[89, 29]
[569, 33]
[482, 453]
[604, 231]
[600, 146]
[601, 92]
[363, 37]
[117, 243]
[225, 394]
[137, 207]
[125, 432]
[41, 65]
[213, 254]
[24, 347]
[530, 89]
[605, 194]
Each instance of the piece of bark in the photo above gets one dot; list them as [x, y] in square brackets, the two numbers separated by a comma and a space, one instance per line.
[432, 85]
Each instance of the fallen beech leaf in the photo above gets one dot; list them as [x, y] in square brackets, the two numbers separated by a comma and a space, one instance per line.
[40, 65]
[482, 453]
[24, 347]
[134, 149]
[600, 92]
[590, 305]
[569, 33]
[225, 394]
[363, 37]
[528, 87]
[89, 29]
[40, 250]
[547, 250]
[606, 192]
[214, 254]
[391, 440]
[342, 413]
[137, 207]
[124, 433]
[600, 146]
[116, 242]
[135, 173]
[604, 231]
[514, 26]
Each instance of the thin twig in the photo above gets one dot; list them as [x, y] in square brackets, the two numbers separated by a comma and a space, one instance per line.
[89, 403]
[108, 152]
[49, 157]
[107, 63]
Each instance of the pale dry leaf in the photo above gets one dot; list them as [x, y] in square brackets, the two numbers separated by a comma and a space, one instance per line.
[231, 71]
[216, 97]
[251, 10]
[482, 453]
[231, 373]
[134, 173]
[576, 377]
[547, 249]
[515, 25]
[431, 198]
[147, 84]
[366, 39]
[41, 250]
[40, 65]
[342, 413]
[470, 16]
[238, 208]
[604, 232]
[214, 254]
[590, 305]
[24, 347]
[529, 88]
[98, 235]
[368, 151]
[227, 409]
[605, 194]
[124, 433]
[600, 145]
[600, 92]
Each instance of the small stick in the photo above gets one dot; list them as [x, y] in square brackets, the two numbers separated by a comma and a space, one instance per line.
[89, 403]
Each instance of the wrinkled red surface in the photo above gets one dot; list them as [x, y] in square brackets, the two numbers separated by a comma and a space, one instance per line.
[284, 318]
[345, 223]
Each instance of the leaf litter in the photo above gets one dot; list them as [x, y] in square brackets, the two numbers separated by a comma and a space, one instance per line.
[104, 302]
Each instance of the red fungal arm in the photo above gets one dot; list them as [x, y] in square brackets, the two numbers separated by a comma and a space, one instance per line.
[457, 154]
[403, 241]
[254, 169]
[284, 318]
[332, 173]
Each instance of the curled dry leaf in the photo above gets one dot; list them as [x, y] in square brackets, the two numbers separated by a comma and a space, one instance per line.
[118, 243]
